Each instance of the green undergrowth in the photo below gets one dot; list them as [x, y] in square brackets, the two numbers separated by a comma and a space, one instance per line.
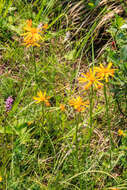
[44, 147]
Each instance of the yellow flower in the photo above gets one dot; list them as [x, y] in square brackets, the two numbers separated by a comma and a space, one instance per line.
[29, 123]
[0, 178]
[29, 22]
[42, 98]
[105, 72]
[78, 103]
[90, 79]
[32, 35]
[45, 26]
[121, 133]
[62, 107]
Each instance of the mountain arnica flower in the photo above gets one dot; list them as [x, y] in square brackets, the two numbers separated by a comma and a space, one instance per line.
[9, 103]
[32, 36]
[105, 72]
[42, 98]
[78, 103]
[121, 133]
[45, 26]
[62, 107]
[89, 79]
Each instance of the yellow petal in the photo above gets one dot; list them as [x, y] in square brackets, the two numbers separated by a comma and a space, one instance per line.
[100, 83]
[88, 86]
[109, 65]
[82, 79]
[40, 93]
[35, 44]
[106, 78]
[101, 66]
[37, 99]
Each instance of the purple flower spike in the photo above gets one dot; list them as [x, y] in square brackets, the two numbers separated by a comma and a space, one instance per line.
[9, 103]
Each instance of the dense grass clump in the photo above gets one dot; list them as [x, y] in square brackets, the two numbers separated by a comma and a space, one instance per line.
[63, 88]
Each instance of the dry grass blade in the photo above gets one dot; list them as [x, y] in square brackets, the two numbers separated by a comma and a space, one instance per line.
[75, 11]
[107, 18]
[83, 18]
[86, 172]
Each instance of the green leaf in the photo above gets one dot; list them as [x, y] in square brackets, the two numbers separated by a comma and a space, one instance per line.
[97, 2]
[6, 130]
[70, 55]
[123, 53]
[119, 21]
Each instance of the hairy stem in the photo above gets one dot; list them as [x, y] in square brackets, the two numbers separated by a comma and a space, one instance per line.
[108, 121]
[34, 63]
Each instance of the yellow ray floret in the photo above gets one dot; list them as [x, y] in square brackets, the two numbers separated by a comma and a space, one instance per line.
[41, 97]
[78, 103]
[90, 79]
[32, 36]
[121, 133]
[105, 72]
[62, 107]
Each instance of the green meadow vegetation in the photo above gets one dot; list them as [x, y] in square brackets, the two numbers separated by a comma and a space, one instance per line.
[63, 95]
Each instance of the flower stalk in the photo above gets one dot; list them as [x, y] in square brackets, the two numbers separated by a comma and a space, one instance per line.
[34, 63]
[76, 141]
[108, 120]
[91, 111]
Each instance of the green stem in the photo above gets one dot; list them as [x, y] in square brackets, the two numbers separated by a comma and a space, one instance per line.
[108, 120]
[34, 63]
[93, 52]
[91, 111]
[76, 140]
[5, 143]
[12, 159]
[42, 119]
